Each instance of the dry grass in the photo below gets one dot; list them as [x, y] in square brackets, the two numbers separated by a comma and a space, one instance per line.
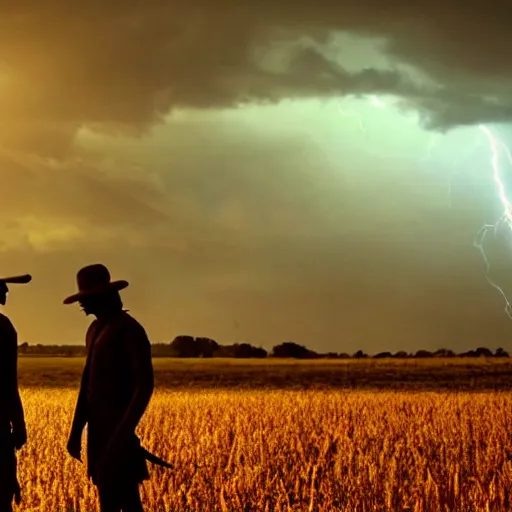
[454, 374]
[293, 450]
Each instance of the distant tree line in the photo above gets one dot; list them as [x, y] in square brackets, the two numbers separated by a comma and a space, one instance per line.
[201, 347]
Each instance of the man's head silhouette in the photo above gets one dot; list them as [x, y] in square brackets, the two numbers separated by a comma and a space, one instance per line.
[4, 289]
[97, 293]
[101, 304]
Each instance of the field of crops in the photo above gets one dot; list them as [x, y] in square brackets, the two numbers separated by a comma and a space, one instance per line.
[450, 374]
[305, 450]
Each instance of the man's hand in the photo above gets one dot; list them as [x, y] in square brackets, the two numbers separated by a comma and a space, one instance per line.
[74, 447]
[19, 434]
[17, 493]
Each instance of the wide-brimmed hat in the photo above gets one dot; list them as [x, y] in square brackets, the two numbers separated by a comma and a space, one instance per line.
[94, 280]
[22, 279]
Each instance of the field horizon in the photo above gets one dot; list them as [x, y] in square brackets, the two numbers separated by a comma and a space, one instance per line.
[291, 436]
[441, 374]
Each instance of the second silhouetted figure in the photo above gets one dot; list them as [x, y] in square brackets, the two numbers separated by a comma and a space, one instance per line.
[116, 387]
[13, 433]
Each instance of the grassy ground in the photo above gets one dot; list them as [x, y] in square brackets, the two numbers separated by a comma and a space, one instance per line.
[291, 451]
[263, 443]
[460, 374]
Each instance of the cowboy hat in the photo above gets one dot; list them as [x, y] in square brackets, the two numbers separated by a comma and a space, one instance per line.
[23, 279]
[94, 280]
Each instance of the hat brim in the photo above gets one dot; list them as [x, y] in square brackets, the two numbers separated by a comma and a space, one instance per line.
[23, 279]
[113, 285]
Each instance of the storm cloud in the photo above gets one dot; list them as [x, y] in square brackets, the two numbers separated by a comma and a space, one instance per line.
[123, 66]
[199, 149]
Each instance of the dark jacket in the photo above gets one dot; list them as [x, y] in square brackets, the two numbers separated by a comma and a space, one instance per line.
[11, 408]
[117, 384]
[12, 418]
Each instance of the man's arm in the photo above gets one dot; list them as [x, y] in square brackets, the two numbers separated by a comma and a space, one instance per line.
[80, 417]
[139, 353]
[16, 413]
[74, 445]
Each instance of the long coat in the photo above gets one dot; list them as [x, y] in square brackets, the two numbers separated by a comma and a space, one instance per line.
[12, 417]
[117, 384]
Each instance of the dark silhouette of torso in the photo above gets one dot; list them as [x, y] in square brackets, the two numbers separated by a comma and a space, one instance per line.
[109, 385]
[12, 418]
[9, 408]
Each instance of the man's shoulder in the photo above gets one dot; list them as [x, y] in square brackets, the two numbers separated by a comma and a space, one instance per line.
[91, 328]
[92, 325]
[8, 335]
[5, 323]
[132, 325]
[90, 333]
[131, 321]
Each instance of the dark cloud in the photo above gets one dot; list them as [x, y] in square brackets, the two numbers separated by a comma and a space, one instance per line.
[124, 65]
[235, 229]
[219, 219]
[48, 205]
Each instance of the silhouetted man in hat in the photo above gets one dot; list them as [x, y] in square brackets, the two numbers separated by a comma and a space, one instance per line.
[13, 433]
[117, 384]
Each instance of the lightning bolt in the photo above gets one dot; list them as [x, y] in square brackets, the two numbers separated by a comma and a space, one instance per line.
[497, 234]
[506, 218]
[494, 145]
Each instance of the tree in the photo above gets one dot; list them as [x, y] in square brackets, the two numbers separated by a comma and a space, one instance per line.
[483, 352]
[382, 355]
[184, 346]
[259, 353]
[294, 350]
[245, 351]
[444, 352]
[205, 347]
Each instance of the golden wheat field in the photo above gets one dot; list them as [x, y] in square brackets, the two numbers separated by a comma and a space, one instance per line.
[292, 450]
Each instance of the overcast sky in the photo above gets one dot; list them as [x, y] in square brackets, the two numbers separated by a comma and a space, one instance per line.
[258, 173]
